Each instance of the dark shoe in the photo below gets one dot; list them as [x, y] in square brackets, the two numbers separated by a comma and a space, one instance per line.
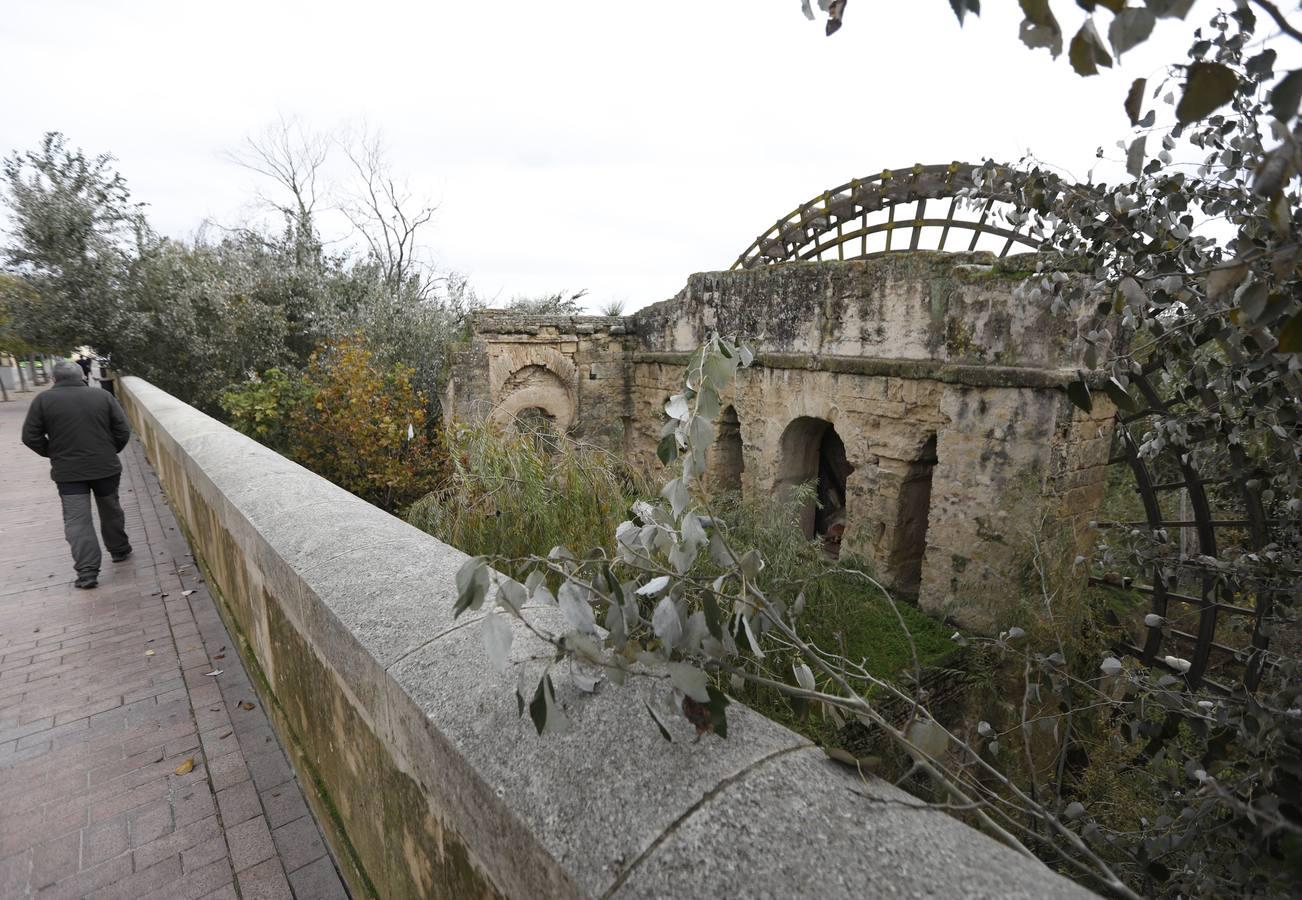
[119, 557]
[86, 582]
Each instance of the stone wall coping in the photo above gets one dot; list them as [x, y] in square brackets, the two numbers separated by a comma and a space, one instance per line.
[504, 321]
[608, 810]
[927, 369]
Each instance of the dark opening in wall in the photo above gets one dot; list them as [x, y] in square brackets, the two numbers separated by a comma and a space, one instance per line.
[726, 464]
[538, 424]
[910, 546]
[813, 453]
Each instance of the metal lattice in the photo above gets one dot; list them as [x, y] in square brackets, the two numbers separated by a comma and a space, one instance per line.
[1202, 503]
[889, 213]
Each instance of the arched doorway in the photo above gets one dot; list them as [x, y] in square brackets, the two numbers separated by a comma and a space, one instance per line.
[910, 544]
[726, 462]
[812, 452]
[535, 395]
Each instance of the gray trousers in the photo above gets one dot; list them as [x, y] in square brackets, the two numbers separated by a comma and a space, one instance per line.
[79, 526]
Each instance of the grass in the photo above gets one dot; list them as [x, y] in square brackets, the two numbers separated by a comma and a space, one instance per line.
[515, 494]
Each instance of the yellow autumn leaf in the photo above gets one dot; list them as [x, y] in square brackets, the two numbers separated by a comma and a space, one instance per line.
[186, 767]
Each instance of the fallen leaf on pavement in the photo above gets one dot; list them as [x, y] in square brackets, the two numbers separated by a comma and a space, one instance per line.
[149, 653]
[186, 767]
[246, 705]
[187, 593]
[222, 737]
[220, 656]
[214, 672]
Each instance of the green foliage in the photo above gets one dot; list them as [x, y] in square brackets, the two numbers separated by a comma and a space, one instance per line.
[73, 228]
[515, 493]
[561, 303]
[16, 301]
[264, 408]
[366, 428]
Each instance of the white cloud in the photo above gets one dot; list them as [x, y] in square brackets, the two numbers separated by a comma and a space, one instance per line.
[612, 146]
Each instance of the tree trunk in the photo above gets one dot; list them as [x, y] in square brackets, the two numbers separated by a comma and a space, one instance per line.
[22, 379]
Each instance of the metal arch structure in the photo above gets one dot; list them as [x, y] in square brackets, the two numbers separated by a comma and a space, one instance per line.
[1216, 618]
[840, 221]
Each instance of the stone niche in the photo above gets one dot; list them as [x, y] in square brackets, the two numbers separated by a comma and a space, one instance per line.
[919, 397]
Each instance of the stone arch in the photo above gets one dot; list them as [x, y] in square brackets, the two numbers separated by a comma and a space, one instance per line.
[908, 548]
[508, 359]
[726, 462]
[535, 387]
[812, 451]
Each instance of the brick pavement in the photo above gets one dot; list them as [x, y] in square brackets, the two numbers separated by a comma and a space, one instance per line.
[106, 698]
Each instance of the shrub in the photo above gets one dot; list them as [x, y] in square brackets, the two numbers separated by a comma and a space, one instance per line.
[263, 407]
[366, 428]
[516, 493]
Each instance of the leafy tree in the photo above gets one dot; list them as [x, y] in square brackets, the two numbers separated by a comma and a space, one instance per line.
[19, 305]
[73, 235]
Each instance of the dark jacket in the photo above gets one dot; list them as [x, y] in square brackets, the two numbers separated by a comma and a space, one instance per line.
[80, 429]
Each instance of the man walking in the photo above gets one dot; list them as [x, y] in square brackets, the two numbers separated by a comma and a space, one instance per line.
[82, 431]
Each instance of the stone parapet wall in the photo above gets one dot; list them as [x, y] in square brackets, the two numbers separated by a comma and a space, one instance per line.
[432, 786]
[950, 307]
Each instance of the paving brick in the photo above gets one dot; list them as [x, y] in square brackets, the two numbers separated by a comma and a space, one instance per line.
[228, 770]
[192, 804]
[268, 768]
[298, 843]
[238, 803]
[250, 843]
[149, 823]
[104, 840]
[45, 824]
[265, 881]
[182, 839]
[226, 892]
[19, 731]
[141, 882]
[283, 803]
[55, 860]
[127, 800]
[205, 853]
[88, 880]
[14, 874]
[318, 881]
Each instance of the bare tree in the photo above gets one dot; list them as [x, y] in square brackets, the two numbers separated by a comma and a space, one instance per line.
[388, 216]
[293, 159]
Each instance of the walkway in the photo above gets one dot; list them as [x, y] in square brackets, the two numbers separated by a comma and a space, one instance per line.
[135, 758]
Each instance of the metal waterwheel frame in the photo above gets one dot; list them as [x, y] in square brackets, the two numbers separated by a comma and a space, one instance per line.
[837, 218]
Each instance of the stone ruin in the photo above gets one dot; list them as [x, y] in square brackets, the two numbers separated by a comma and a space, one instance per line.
[911, 387]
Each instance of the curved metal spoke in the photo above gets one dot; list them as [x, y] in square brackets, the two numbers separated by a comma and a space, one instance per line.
[836, 219]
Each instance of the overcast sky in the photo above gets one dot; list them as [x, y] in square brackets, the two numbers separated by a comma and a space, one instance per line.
[613, 146]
